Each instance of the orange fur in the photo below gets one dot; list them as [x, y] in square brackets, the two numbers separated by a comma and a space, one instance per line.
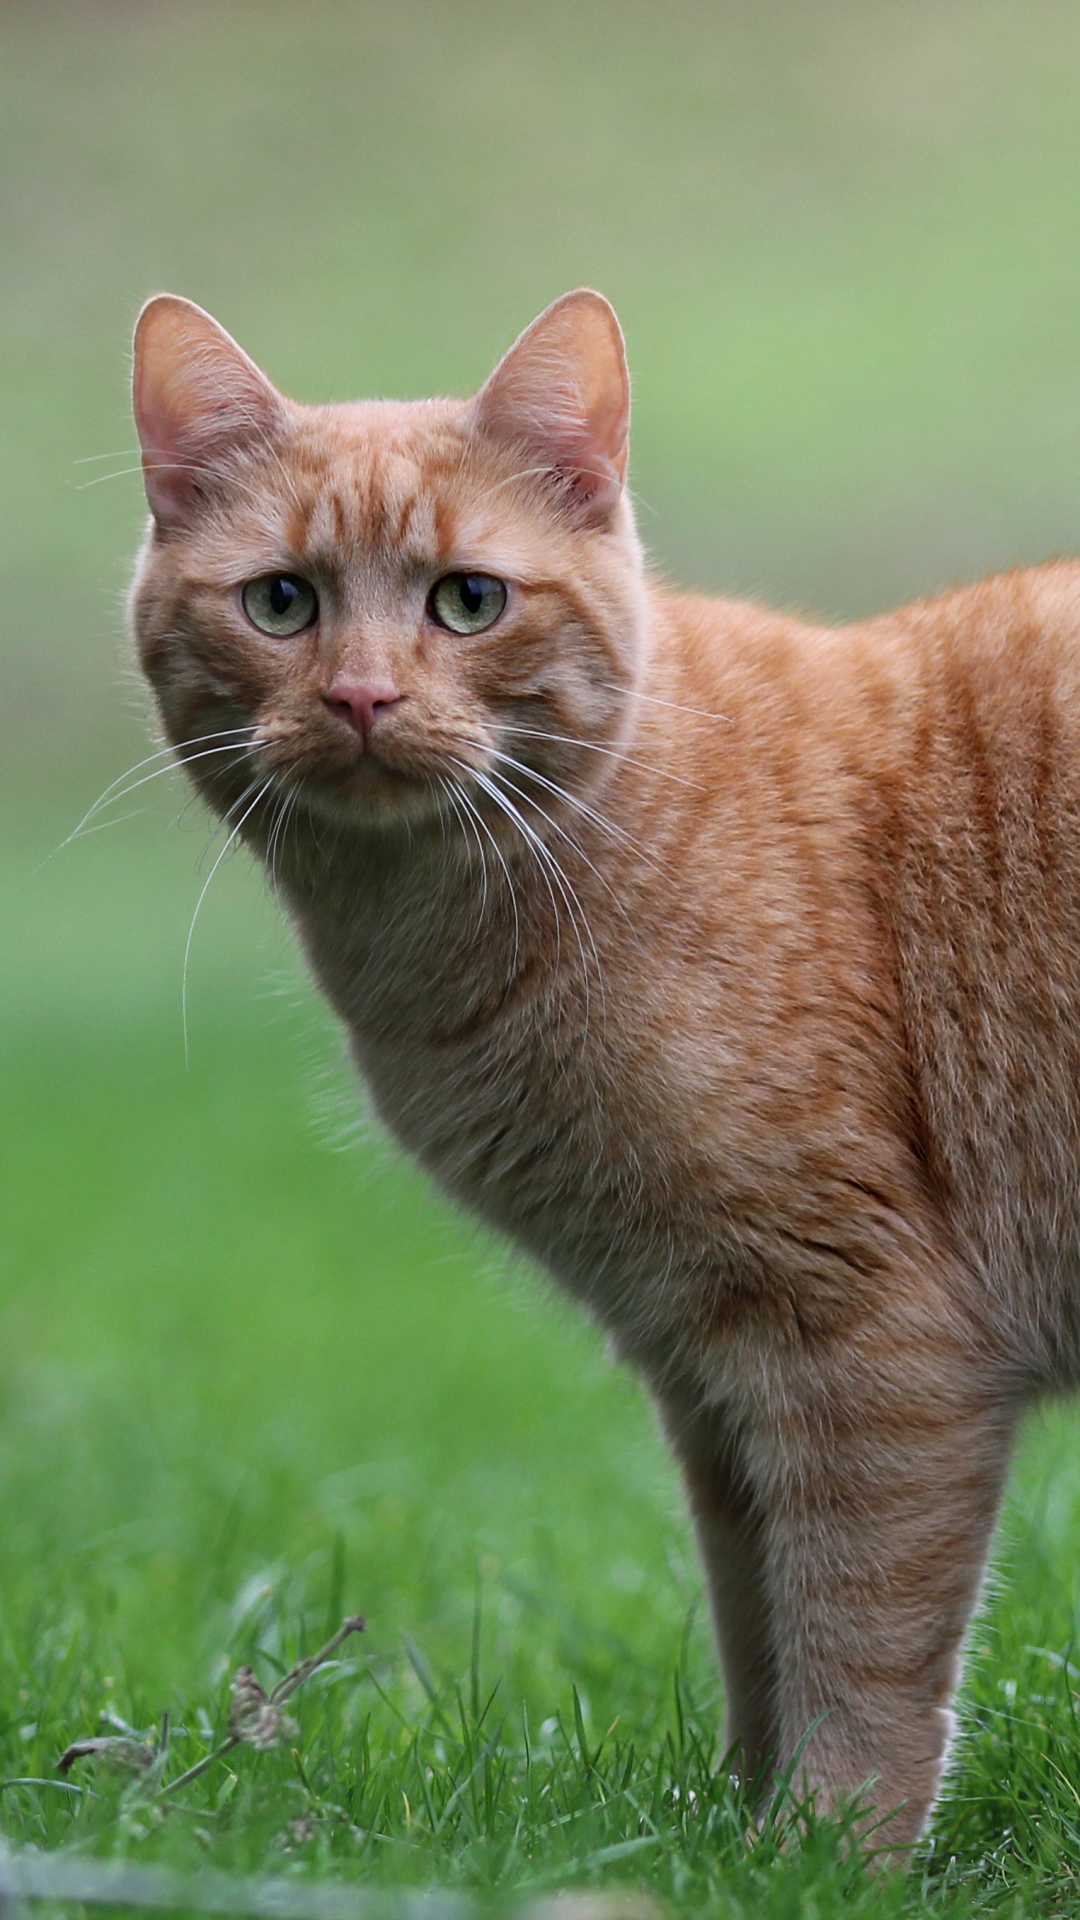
[759, 1026]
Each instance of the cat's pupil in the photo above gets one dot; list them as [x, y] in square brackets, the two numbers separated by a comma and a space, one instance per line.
[472, 593]
[282, 594]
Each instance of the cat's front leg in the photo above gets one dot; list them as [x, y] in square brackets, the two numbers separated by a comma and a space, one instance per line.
[730, 1525]
[879, 1467]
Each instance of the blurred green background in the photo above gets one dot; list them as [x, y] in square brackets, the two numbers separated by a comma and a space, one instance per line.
[241, 1352]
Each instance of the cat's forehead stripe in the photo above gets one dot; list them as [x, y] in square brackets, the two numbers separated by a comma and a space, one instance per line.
[319, 523]
[378, 487]
[376, 498]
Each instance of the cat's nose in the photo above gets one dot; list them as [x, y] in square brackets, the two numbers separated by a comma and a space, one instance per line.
[360, 702]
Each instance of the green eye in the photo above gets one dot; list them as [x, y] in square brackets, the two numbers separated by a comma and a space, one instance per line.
[467, 602]
[280, 603]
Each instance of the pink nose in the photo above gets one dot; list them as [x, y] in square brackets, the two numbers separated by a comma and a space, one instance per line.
[360, 702]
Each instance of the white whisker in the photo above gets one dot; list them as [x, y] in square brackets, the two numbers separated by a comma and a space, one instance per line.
[561, 793]
[482, 824]
[547, 862]
[89, 459]
[609, 827]
[268, 447]
[100, 478]
[468, 829]
[135, 814]
[698, 712]
[494, 793]
[613, 753]
[219, 821]
[548, 471]
[199, 468]
[239, 748]
[260, 790]
[524, 473]
[117, 791]
[281, 813]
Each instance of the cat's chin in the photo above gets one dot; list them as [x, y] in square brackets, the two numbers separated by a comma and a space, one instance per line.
[369, 793]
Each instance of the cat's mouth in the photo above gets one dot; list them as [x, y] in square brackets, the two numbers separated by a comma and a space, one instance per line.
[351, 784]
[408, 768]
[340, 766]
[369, 775]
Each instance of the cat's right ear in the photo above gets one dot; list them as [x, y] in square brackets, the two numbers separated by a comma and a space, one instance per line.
[196, 396]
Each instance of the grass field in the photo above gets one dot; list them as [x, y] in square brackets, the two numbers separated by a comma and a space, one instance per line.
[251, 1377]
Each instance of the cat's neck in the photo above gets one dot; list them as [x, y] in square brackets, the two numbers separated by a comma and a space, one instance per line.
[443, 929]
[435, 933]
[462, 918]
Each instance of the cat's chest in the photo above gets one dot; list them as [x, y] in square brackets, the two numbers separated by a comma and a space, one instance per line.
[513, 1116]
[643, 1133]
[517, 1090]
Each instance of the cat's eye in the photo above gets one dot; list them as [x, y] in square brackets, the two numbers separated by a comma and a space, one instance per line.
[467, 602]
[280, 603]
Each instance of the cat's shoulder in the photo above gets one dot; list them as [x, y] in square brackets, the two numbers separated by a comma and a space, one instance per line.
[994, 636]
[707, 631]
[1002, 608]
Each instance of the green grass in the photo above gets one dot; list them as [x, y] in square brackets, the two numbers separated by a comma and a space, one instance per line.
[251, 1376]
[251, 1380]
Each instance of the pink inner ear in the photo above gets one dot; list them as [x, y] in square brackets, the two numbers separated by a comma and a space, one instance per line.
[562, 395]
[592, 476]
[170, 456]
[196, 396]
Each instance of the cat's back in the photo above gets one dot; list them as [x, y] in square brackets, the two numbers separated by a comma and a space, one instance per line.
[928, 760]
[978, 843]
[909, 794]
[964, 723]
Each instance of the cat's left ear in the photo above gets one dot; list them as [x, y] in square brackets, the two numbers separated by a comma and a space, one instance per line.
[196, 396]
[561, 399]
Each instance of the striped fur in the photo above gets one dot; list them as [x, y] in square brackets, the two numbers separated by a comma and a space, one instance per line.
[744, 995]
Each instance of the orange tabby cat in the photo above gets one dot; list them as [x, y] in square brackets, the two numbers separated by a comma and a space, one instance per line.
[729, 965]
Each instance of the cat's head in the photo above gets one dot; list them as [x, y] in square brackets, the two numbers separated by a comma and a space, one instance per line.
[383, 603]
